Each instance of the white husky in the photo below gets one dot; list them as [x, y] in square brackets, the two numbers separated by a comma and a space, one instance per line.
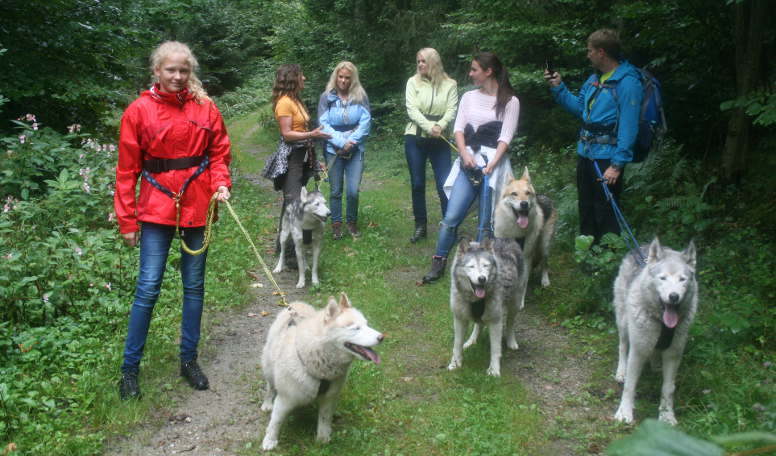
[307, 356]
[529, 217]
[307, 214]
[654, 306]
[488, 279]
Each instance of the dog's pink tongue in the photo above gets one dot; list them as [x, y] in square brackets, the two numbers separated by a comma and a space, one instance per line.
[670, 318]
[479, 292]
[522, 221]
[372, 355]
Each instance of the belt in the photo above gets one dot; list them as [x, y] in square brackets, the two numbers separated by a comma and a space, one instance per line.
[344, 127]
[160, 165]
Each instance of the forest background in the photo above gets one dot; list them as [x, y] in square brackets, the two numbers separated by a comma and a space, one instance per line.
[69, 67]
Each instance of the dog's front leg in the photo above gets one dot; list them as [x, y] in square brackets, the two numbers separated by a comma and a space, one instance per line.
[326, 406]
[496, 333]
[671, 362]
[316, 254]
[269, 398]
[622, 361]
[636, 361]
[282, 256]
[280, 411]
[459, 327]
[299, 247]
[473, 337]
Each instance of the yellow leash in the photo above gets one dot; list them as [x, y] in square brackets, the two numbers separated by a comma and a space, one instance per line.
[209, 234]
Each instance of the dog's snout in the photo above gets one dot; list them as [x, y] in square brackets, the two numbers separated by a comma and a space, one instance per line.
[523, 205]
[674, 298]
[380, 337]
[482, 279]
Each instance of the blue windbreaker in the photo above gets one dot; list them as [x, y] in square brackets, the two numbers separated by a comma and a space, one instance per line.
[343, 121]
[605, 110]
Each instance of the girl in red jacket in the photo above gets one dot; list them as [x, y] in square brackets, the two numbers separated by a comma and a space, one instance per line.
[174, 136]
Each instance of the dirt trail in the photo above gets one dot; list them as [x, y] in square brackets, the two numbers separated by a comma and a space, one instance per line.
[223, 419]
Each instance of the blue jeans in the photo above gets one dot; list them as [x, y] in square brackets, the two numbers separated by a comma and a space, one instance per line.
[350, 171]
[462, 196]
[155, 243]
[418, 150]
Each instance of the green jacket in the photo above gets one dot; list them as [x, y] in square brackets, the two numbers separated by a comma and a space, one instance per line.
[423, 100]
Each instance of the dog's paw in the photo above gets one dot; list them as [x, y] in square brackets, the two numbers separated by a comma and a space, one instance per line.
[316, 282]
[454, 364]
[325, 438]
[469, 343]
[512, 344]
[624, 416]
[277, 269]
[269, 444]
[667, 416]
[266, 407]
[494, 371]
[619, 377]
[545, 281]
[300, 284]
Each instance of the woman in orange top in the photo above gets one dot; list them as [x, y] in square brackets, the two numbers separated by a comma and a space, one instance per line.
[292, 165]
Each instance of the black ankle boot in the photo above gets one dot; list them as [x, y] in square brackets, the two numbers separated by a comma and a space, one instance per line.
[193, 374]
[420, 232]
[438, 264]
[128, 386]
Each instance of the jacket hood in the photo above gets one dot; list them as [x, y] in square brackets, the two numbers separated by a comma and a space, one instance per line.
[177, 98]
[623, 70]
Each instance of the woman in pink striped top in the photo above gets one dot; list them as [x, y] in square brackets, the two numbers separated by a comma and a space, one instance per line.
[486, 122]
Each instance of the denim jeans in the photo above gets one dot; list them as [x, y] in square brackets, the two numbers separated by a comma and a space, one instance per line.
[348, 171]
[418, 150]
[155, 243]
[462, 196]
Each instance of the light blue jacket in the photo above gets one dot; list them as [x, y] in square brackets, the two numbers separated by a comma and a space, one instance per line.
[621, 110]
[334, 115]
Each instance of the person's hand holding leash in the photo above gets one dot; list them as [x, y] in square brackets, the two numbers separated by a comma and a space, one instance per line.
[611, 175]
[222, 194]
[130, 239]
[436, 131]
[468, 159]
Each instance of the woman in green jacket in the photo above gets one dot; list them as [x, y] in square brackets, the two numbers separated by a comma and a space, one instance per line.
[431, 99]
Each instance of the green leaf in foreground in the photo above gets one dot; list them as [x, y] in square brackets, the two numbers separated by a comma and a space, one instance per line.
[653, 438]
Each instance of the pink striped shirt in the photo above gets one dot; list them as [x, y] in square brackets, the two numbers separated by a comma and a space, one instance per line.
[477, 108]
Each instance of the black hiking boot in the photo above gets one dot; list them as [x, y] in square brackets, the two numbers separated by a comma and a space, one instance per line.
[128, 386]
[193, 374]
[438, 264]
[420, 231]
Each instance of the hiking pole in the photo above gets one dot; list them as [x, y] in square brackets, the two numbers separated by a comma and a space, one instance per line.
[633, 244]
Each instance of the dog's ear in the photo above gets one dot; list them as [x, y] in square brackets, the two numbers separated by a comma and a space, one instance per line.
[331, 311]
[526, 176]
[463, 245]
[303, 194]
[344, 302]
[655, 251]
[487, 243]
[689, 254]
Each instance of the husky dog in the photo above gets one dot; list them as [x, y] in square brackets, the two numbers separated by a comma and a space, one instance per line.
[488, 279]
[530, 218]
[307, 356]
[654, 306]
[306, 214]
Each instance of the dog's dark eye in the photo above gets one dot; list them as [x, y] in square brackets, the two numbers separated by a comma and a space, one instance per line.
[514, 193]
[662, 277]
[682, 279]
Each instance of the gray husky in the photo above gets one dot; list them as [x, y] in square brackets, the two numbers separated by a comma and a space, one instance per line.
[307, 214]
[654, 306]
[488, 279]
[306, 358]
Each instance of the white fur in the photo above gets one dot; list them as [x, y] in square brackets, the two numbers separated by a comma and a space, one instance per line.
[303, 347]
[309, 213]
[640, 294]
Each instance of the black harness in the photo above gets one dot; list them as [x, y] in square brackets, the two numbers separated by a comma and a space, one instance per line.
[486, 135]
[666, 337]
[159, 165]
[477, 309]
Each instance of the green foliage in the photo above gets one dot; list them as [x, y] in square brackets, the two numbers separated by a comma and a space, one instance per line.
[760, 104]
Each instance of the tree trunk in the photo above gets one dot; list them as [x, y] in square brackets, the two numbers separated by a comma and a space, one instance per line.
[748, 36]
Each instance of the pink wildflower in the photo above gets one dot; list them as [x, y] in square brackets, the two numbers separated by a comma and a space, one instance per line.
[107, 285]
[10, 203]
[86, 187]
[78, 251]
[30, 118]
[75, 128]
[35, 125]
[46, 297]
[22, 138]
[111, 216]
[8, 256]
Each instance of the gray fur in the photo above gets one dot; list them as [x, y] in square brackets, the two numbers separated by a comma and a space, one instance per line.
[306, 348]
[645, 298]
[309, 212]
[495, 267]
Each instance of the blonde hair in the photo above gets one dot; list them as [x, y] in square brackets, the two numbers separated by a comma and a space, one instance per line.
[436, 72]
[168, 48]
[356, 93]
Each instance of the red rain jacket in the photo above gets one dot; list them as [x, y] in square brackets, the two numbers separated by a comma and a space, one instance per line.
[169, 125]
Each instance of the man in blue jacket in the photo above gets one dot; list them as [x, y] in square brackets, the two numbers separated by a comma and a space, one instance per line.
[608, 104]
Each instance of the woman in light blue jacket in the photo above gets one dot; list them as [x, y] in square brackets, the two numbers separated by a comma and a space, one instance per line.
[343, 112]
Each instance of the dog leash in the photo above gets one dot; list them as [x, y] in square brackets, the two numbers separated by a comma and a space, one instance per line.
[633, 244]
[279, 292]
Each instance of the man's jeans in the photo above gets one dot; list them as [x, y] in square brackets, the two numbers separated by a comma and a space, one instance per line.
[350, 171]
[461, 198]
[418, 150]
[155, 243]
